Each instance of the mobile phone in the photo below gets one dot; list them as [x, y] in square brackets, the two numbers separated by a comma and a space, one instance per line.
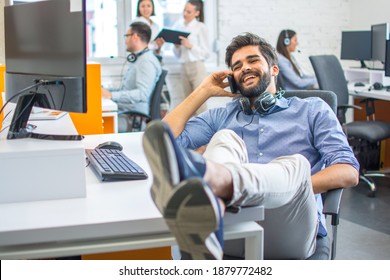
[232, 84]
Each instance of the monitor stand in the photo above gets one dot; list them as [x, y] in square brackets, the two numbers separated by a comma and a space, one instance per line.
[19, 128]
[362, 65]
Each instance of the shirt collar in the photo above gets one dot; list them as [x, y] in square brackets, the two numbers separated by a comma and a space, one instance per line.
[191, 23]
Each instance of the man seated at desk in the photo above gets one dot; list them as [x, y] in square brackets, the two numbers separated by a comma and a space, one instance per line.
[140, 78]
[274, 155]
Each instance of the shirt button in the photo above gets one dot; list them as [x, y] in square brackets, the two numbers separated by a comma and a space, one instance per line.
[261, 129]
[261, 154]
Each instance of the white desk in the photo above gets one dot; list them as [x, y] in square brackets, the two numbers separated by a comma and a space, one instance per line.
[114, 216]
[368, 77]
[365, 93]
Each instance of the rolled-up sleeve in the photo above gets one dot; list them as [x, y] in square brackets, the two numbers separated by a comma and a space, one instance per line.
[329, 138]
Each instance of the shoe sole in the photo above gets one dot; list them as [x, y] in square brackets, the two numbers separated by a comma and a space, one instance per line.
[192, 215]
[162, 160]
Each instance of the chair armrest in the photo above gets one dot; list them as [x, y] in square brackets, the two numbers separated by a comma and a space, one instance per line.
[134, 113]
[348, 106]
[332, 204]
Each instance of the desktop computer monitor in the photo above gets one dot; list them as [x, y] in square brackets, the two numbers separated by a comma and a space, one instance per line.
[379, 35]
[387, 61]
[45, 55]
[356, 45]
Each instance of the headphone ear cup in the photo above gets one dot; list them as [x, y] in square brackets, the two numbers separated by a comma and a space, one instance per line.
[132, 57]
[265, 102]
[286, 41]
[245, 106]
[378, 86]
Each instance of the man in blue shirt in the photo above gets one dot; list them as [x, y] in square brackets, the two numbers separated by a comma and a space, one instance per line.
[262, 149]
[140, 78]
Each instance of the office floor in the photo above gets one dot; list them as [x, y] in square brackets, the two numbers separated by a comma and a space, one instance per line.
[364, 230]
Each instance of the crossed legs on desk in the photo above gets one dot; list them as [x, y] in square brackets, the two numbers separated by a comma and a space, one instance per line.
[283, 187]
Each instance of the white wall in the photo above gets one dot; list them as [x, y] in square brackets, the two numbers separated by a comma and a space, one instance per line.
[364, 13]
[318, 23]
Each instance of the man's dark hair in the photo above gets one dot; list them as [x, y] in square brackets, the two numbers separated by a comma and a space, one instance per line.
[143, 30]
[249, 39]
[139, 12]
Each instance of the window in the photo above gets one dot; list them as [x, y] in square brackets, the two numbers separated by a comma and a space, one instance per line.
[108, 20]
[102, 28]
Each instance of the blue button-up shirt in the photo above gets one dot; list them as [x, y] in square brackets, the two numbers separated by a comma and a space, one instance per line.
[293, 126]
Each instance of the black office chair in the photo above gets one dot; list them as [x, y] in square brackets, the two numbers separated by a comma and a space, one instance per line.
[332, 198]
[280, 81]
[363, 136]
[138, 117]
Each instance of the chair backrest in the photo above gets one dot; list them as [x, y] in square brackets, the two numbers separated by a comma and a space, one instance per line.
[330, 76]
[155, 99]
[328, 96]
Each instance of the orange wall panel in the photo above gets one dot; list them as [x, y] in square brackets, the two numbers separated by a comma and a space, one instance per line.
[91, 122]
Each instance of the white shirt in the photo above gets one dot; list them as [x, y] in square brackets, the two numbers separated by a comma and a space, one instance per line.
[155, 30]
[199, 38]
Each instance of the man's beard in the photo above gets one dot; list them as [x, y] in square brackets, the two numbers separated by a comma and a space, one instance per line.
[258, 89]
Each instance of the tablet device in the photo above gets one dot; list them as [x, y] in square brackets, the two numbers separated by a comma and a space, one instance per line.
[171, 36]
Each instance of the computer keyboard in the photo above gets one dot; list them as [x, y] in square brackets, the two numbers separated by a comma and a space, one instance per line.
[111, 164]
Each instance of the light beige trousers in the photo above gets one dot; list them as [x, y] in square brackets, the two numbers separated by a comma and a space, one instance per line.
[282, 186]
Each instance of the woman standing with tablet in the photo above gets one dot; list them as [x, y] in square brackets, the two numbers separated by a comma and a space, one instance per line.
[193, 50]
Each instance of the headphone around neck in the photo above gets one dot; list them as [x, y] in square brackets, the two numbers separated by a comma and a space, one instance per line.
[286, 40]
[263, 103]
[132, 57]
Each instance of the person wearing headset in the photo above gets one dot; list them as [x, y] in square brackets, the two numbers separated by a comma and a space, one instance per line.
[140, 78]
[255, 155]
[293, 76]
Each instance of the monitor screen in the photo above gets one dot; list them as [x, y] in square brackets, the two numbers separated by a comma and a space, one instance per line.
[356, 45]
[45, 55]
[387, 61]
[379, 35]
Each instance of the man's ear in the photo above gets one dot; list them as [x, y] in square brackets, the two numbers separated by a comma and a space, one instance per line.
[274, 70]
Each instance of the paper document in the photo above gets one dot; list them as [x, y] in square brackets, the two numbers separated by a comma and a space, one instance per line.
[46, 115]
